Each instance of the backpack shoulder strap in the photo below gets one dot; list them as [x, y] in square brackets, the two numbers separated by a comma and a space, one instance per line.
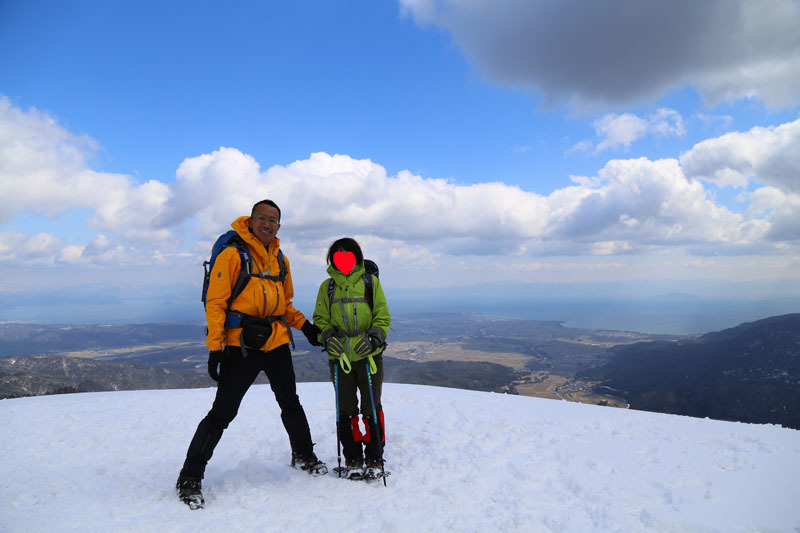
[368, 288]
[331, 291]
[228, 240]
[282, 267]
[244, 271]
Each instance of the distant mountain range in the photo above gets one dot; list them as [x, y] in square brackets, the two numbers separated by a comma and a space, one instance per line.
[36, 375]
[749, 373]
[53, 359]
[28, 339]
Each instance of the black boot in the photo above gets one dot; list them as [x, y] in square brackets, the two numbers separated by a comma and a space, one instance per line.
[309, 463]
[190, 491]
[354, 469]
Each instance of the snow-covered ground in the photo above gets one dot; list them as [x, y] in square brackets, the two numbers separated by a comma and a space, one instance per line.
[460, 461]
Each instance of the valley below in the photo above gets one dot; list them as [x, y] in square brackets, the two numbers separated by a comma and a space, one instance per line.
[747, 373]
[525, 357]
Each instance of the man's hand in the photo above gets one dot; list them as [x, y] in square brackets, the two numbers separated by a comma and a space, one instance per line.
[311, 332]
[215, 359]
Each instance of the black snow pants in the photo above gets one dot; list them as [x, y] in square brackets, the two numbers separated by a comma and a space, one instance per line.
[350, 434]
[237, 374]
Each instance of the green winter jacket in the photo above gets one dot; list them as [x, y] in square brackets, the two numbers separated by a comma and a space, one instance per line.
[351, 286]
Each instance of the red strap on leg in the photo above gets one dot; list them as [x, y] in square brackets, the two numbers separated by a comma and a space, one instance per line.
[357, 436]
[366, 430]
[382, 429]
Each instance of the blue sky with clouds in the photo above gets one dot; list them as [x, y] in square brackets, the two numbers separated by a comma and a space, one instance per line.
[567, 144]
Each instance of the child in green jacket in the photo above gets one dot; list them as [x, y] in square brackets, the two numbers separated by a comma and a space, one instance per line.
[353, 327]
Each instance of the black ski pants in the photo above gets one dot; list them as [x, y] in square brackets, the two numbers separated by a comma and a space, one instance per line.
[350, 385]
[237, 374]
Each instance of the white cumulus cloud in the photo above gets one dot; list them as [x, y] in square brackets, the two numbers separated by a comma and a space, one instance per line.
[19, 248]
[621, 130]
[634, 206]
[639, 205]
[45, 169]
[336, 191]
[769, 155]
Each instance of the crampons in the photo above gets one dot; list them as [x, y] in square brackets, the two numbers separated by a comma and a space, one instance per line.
[190, 492]
[372, 470]
[354, 469]
[309, 464]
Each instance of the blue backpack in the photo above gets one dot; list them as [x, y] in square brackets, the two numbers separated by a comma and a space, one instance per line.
[232, 238]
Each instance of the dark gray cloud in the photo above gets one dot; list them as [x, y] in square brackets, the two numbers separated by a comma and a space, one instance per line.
[615, 52]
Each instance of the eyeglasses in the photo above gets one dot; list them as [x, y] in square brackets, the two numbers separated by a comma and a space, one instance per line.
[272, 221]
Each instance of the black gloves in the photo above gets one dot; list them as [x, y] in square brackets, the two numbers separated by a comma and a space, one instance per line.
[311, 332]
[377, 337]
[365, 346]
[333, 344]
[215, 359]
[374, 340]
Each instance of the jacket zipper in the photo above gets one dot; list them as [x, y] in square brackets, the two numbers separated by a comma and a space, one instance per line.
[266, 299]
[275, 288]
[346, 325]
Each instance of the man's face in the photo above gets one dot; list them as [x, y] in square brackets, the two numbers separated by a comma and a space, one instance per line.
[264, 223]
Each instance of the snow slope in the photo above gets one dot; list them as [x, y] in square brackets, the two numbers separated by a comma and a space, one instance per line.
[460, 461]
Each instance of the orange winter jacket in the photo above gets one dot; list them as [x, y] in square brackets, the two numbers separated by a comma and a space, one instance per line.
[261, 297]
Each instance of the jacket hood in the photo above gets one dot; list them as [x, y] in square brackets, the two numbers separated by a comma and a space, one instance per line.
[242, 227]
[342, 280]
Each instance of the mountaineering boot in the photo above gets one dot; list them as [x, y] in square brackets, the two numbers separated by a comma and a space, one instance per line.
[309, 463]
[354, 469]
[189, 491]
[372, 470]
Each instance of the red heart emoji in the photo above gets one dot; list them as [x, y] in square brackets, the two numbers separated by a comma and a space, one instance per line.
[344, 261]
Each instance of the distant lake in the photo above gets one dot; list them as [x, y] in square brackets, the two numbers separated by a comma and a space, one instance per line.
[667, 314]
[675, 316]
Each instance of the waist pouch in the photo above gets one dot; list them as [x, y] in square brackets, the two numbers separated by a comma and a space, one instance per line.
[255, 331]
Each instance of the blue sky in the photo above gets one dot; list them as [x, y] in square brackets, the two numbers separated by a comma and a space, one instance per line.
[554, 147]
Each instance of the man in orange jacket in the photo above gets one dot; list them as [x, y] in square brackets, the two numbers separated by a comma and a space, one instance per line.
[247, 336]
